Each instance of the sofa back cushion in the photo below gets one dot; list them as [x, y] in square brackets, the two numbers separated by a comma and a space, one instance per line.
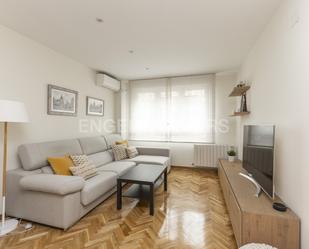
[111, 139]
[34, 156]
[47, 170]
[91, 145]
[101, 158]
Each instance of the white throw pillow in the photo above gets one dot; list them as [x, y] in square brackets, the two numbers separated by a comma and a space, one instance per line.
[85, 170]
[120, 152]
[83, 167]
[132, 152]
[79, 159]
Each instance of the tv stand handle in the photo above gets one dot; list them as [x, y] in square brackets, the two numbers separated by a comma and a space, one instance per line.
[251, 179]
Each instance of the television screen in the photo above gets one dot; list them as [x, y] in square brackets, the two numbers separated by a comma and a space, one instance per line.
[258, 155]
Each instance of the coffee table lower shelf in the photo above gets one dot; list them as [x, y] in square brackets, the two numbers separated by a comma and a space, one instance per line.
[140, 191]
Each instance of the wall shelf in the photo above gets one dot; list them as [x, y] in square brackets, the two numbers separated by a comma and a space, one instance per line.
[239, 91]
[237, 114]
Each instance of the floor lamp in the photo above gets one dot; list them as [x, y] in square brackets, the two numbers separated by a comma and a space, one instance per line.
[10, 112]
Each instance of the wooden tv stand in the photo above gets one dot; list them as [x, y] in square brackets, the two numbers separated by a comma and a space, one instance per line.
[253, 219]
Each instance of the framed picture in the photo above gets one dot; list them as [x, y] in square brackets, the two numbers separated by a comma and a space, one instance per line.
[61, 101]
[95, 106]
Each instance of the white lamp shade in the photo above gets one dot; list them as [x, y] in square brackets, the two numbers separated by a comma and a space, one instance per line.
[13, 111]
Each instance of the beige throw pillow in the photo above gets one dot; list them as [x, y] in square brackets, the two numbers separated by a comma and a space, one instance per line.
[79, 159]
[132, 152]
[120, 152]
[83, 167]
[85, 170]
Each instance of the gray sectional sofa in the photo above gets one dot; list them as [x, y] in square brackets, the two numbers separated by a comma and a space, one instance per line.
[35, 193]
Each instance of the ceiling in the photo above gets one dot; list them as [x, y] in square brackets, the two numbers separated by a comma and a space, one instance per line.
[165, 37]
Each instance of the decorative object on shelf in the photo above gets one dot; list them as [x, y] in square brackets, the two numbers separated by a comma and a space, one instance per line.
[95, 107]
[240, 91]
[231, 155]
[62, 101]
[10, 112]
[279, 207]
[244, 103]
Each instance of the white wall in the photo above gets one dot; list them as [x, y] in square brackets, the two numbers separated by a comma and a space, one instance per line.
[278, 67]
[26, 67]
[182, 153]
[224, 107]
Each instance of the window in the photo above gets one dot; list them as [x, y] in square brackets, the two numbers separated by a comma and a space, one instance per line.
[173, 109]
[148, 110]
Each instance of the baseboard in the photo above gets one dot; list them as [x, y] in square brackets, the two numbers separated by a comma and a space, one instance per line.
[206, 168]
[182, 166]
[194, 167]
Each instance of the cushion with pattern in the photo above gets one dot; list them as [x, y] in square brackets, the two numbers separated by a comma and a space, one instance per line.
[120, 152]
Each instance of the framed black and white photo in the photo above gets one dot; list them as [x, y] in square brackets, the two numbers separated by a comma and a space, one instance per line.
[95, 106]
[62, 101]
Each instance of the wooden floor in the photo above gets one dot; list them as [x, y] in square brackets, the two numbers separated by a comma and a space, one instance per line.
[192, 214]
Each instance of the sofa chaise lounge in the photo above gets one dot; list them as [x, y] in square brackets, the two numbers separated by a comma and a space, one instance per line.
[35, 193]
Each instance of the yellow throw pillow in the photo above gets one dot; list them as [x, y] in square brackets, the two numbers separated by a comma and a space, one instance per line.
[122, 142]
[61, 165]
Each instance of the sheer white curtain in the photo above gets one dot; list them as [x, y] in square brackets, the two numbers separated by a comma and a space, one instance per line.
[176, 109]
[148, 110]
[191, 109]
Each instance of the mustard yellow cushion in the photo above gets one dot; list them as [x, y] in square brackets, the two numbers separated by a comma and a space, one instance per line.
[61, 165]
[122, 142]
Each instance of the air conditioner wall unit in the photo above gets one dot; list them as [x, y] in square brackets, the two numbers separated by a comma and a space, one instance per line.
[106, 81]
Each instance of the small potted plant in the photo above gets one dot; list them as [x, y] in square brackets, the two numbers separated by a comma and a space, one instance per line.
[232, 154]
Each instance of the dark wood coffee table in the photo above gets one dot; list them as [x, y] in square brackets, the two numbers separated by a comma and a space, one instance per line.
[145, 179]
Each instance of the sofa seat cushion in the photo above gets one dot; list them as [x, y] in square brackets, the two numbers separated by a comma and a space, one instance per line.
[161, 160]
[97, 186]
[119, 167]
[52, 184]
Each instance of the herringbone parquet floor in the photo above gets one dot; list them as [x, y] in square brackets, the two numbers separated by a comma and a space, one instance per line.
[192, 214]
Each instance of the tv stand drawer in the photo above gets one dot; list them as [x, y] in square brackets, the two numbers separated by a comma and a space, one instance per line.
[235, 215]
[232, 205]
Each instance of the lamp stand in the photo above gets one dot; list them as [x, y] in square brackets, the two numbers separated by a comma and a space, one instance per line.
[11, 224]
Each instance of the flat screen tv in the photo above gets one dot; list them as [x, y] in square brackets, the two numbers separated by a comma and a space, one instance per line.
[258, 155]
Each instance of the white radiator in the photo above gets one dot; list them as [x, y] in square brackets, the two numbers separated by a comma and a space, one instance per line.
[207, 155]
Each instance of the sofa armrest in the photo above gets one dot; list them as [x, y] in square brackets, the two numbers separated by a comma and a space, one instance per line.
[153, 151]
[53, 184]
